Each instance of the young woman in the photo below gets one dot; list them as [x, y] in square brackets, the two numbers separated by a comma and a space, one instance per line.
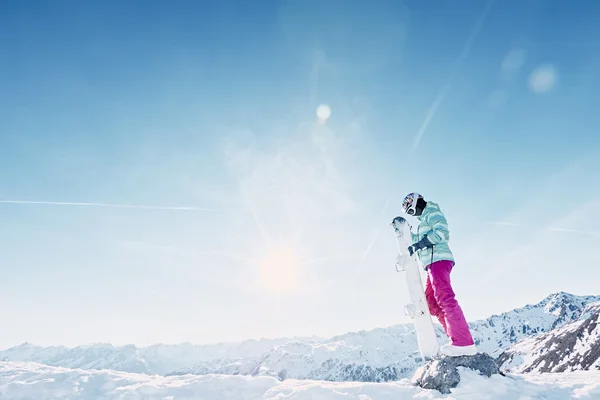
[431, 246]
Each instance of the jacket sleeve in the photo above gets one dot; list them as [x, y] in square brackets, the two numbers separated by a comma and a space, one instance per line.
[439, 227]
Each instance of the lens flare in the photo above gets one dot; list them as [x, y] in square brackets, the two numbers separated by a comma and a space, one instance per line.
[323, 112]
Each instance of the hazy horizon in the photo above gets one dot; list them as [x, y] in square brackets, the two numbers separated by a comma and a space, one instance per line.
[259, 339]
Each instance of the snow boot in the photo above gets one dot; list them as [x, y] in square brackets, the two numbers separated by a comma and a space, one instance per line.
[457, 351]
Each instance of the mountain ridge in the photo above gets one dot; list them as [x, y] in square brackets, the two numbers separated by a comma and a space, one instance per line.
[379, 354]
[572, 347]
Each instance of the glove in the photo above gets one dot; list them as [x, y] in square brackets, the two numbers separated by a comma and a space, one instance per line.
[412, 250]
[421, 244]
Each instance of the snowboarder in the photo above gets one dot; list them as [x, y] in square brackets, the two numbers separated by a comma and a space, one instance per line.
[431, 246]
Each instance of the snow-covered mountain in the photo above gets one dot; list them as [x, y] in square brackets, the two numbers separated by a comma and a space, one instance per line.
[495, 334]
[92, 356]
[368, 356]
[391, 353]
[155, 359]
[575, 346]
[381, 354]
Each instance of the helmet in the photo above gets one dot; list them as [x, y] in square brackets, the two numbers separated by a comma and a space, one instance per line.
[410, 203]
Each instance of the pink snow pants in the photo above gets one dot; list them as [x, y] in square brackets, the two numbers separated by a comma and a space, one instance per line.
[443, 305]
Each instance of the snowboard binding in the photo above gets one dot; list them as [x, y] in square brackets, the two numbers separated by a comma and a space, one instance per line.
[412, 310]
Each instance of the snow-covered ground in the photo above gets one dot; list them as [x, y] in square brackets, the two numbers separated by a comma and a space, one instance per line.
[365, 365]
[20, 381]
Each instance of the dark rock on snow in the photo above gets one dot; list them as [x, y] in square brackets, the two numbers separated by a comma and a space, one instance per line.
[575, 346]
[442, 374]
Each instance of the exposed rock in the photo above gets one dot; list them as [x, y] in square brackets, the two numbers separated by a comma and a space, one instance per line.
[575, 346]
[497, 333]
[359, 373]
[442, 374]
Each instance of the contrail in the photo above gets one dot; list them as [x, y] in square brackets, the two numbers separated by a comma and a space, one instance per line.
[444, 91]
[502, 223]
[314, 77]
[135, 206]
[551, 229]
[372, 242]
[252, 211]
[369, 246]
[574, 231]
[261, 228]
[376, 235]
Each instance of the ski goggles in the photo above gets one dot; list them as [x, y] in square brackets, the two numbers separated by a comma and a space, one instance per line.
[410, 203]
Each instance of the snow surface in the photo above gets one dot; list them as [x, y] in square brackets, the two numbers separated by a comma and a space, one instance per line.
[20, 381]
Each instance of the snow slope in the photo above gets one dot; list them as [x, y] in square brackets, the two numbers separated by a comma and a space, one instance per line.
[21, 381]
[498, 332]
[376, 355]
[575, 346]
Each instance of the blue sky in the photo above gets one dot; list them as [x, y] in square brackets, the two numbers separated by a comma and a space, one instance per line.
[488, 110]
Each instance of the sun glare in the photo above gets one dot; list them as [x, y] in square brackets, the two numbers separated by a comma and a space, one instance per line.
[279, 270]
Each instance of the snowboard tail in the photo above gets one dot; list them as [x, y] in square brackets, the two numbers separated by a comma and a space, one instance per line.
[417, 309]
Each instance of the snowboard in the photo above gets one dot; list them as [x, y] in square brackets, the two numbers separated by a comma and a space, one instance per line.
[417, 309]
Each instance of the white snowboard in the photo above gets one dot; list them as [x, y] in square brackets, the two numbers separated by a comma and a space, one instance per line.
[417, 309]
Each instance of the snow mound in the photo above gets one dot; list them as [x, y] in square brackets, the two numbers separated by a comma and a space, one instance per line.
[20, 381]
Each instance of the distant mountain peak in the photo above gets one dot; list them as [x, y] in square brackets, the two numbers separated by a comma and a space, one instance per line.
[574, 346]
[384, 353]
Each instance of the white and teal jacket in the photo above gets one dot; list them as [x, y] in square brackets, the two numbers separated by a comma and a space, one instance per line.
[434, 225]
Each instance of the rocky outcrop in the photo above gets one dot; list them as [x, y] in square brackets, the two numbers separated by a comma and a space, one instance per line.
[443, 374]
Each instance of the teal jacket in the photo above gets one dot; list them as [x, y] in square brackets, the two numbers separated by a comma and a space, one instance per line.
[434, 225]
